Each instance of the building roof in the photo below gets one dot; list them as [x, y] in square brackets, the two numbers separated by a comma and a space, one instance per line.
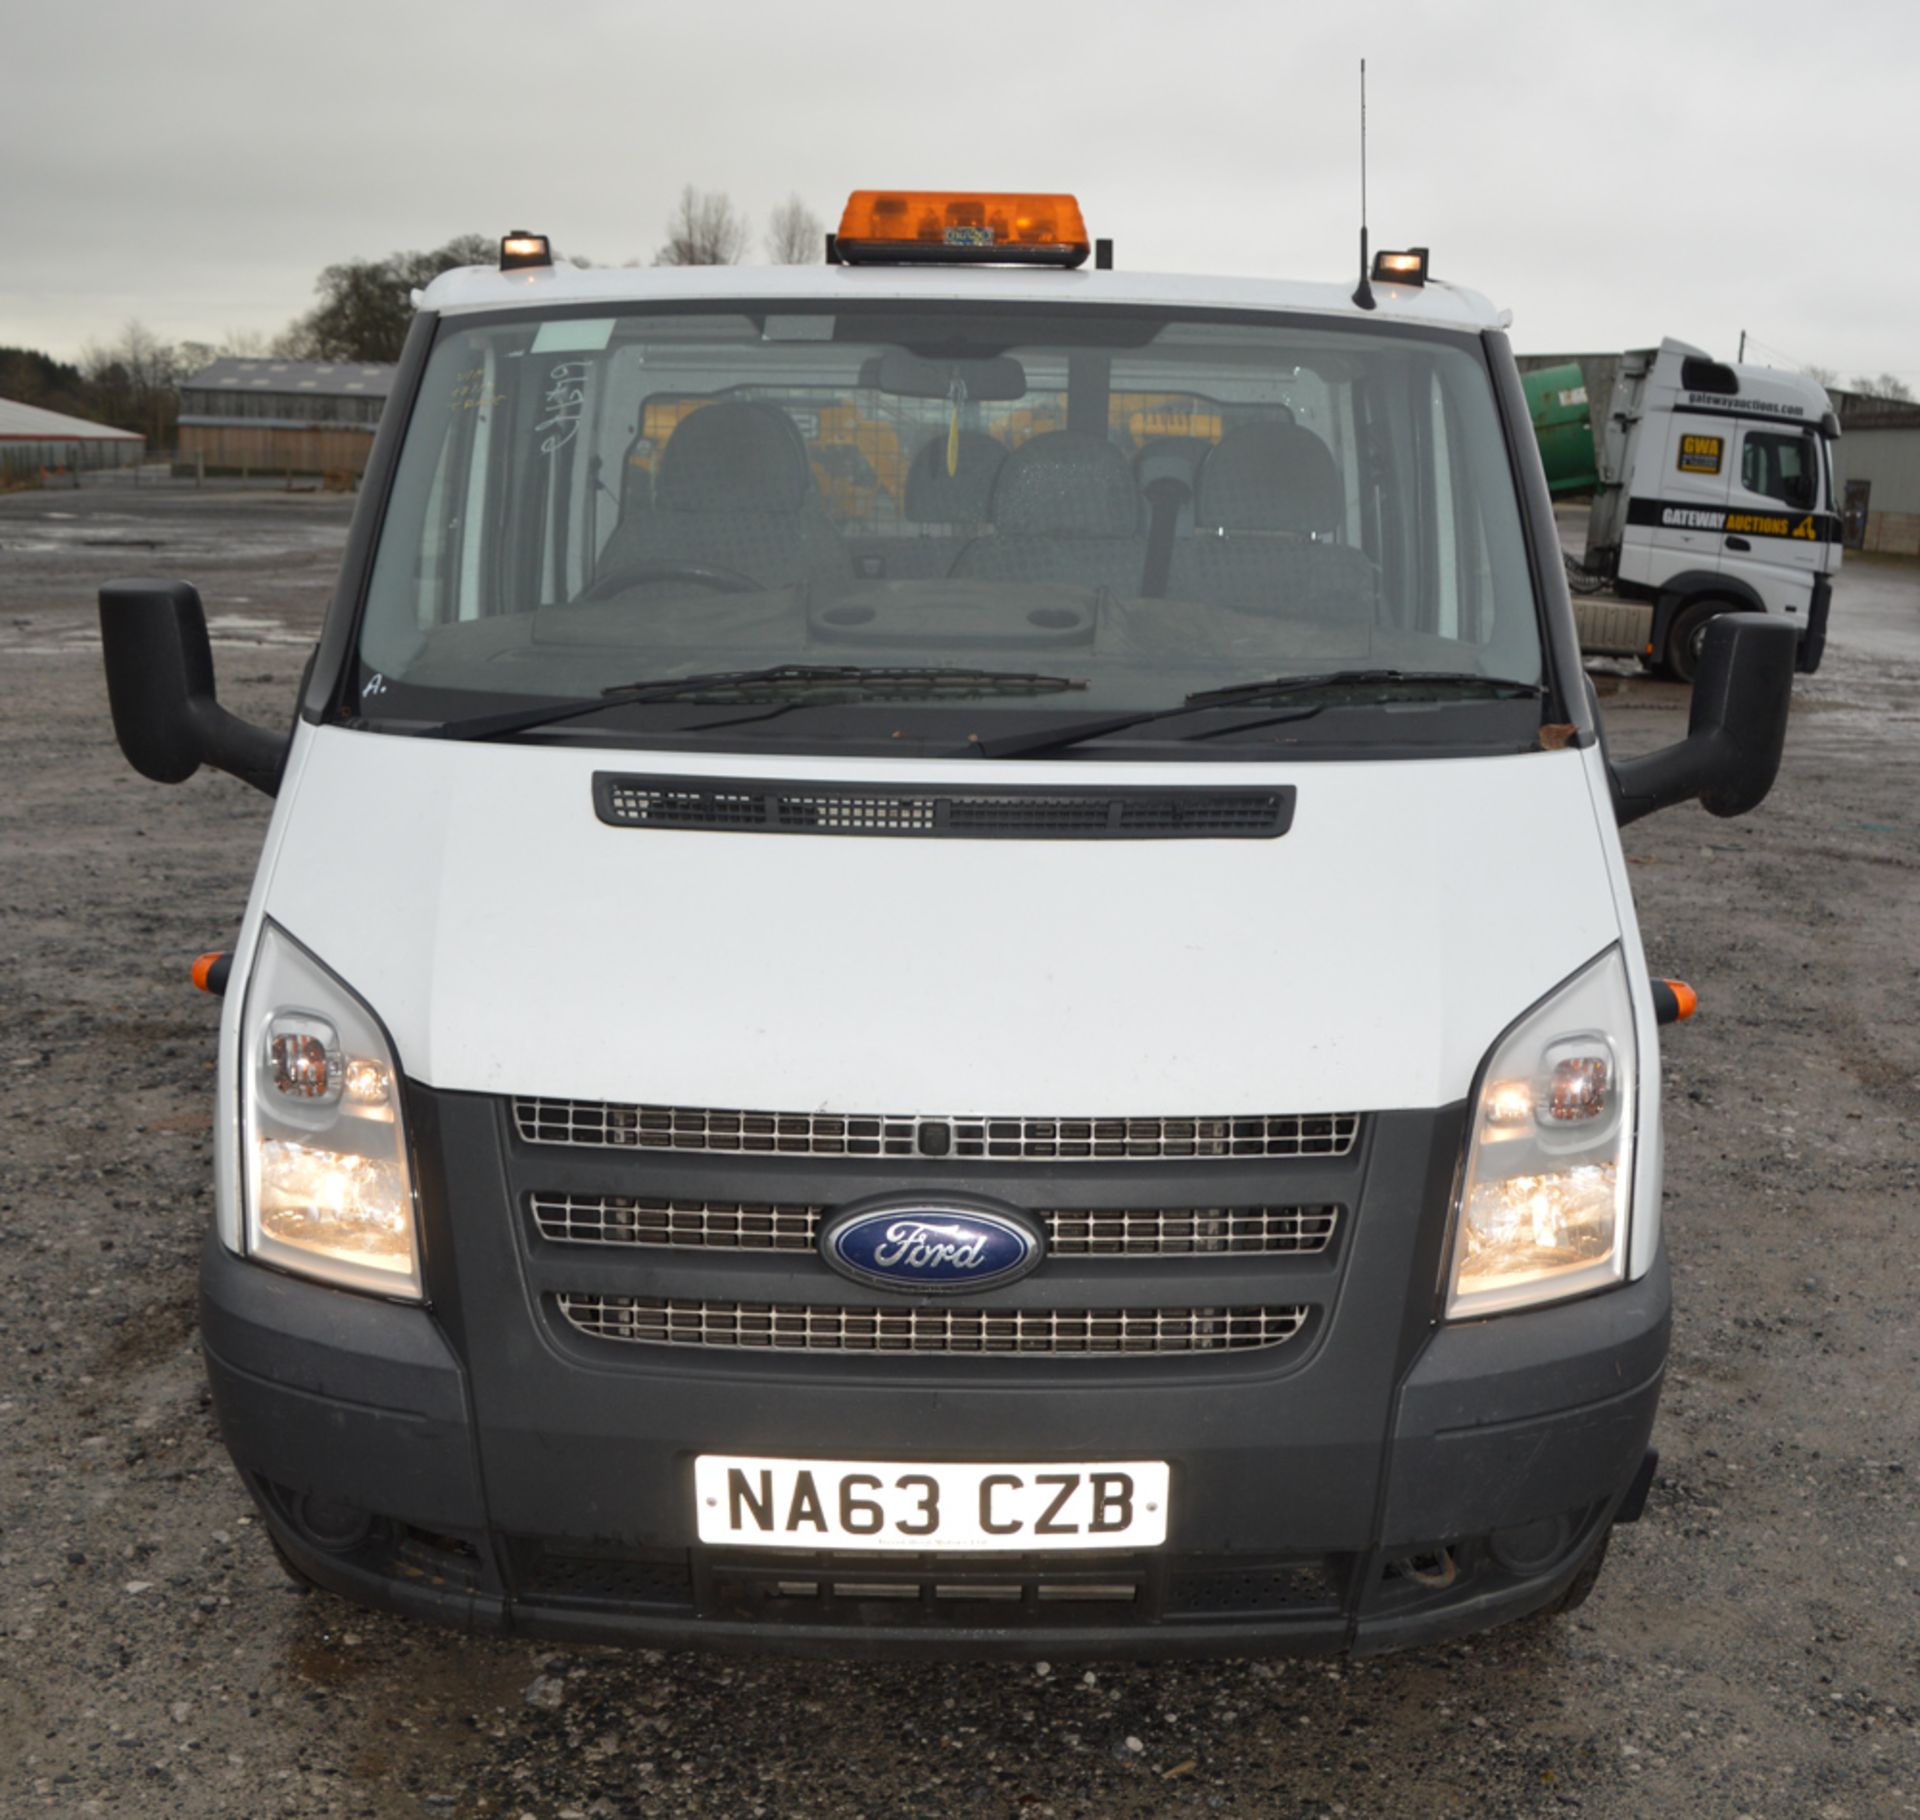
[483, 288]
[1869, 411]
[324, 378]
[28, 423]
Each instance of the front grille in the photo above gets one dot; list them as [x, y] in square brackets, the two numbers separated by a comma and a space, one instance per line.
[597, 1219]
[739, 805]
[611, 1125]
[1055, 1332]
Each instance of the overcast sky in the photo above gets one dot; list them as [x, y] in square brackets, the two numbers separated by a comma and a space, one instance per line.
[1612, 173]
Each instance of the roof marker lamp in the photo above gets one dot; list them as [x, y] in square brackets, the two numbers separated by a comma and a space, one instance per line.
[329, 1186]
[1544, 1198]
[519, 251]
[1409, 267]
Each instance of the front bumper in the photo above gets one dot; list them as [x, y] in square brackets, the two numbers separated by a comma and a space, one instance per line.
[1813, 641]
[1393, 1483]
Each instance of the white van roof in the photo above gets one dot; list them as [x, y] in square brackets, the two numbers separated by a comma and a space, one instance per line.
[472, 288]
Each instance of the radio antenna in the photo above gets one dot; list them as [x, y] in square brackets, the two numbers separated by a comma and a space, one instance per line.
[1363, 292]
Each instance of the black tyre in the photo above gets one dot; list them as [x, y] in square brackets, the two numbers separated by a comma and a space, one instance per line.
[1687, 636]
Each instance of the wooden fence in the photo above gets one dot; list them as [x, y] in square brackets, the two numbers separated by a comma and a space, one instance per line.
[249, 449]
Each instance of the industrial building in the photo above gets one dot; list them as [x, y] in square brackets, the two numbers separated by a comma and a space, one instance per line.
[33, 442]
[282, 416]
[1876, 470]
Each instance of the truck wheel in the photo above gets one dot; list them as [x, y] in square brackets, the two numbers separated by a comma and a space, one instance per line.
[1687, 636]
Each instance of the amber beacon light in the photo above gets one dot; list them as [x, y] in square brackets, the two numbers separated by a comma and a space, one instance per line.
[886, 227]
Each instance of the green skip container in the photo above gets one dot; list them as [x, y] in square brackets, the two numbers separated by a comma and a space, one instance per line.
[1557, 403]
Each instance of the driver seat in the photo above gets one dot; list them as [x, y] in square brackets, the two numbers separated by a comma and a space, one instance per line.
[734, 491]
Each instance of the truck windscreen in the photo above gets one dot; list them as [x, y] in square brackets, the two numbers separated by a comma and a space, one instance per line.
[1145, 504]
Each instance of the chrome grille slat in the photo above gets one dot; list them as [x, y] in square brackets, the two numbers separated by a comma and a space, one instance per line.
[1025, 1332]
[587, 1219]
[596, 1219]
[602, 1124]
[1190, 1231]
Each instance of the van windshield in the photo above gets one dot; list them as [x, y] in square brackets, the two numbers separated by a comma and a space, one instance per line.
[1099, 510]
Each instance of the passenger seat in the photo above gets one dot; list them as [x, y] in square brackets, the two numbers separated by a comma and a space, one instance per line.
[1064, 510]
[1264, 497]
[948, 509]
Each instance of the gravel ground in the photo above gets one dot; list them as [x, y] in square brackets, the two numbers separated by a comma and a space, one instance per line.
[1753, 1647]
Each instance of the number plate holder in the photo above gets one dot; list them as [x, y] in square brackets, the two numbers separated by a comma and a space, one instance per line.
[923, 1507]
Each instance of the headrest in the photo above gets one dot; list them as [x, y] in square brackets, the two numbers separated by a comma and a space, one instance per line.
[935, 497]
[734, 458]
[1268, 477]
[1170, 458]
[1066, 481]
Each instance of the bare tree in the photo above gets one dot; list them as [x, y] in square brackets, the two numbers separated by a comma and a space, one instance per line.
[1884, 385]
[1822, 376]
[794, 234]
[297, 341]
[704, 229]
[133, 380]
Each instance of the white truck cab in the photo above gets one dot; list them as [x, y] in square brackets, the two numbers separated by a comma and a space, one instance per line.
[1716, 496]
[943, 965]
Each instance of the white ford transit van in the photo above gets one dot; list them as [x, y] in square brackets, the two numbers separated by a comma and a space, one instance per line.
[943, 965]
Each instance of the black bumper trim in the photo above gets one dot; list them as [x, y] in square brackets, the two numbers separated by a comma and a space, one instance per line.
[1311, 1634]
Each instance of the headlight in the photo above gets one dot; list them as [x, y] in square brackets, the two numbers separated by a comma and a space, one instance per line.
[329, 1193]
[1549, 1179]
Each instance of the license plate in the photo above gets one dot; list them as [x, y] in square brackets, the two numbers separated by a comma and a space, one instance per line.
[914, 1506]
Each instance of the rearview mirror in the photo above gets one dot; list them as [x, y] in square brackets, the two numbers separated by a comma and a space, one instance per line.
[1735, 731]
[153, 636]
[994, 379]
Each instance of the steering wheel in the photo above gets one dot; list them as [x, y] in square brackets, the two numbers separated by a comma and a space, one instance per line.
[703, 574]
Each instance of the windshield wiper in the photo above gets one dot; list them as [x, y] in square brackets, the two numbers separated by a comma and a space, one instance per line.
[1058, 737]
[766, 684]
[1444, 682]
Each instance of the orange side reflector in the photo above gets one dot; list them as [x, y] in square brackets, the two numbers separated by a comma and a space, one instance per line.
[1685, 997]
[962, 225]
[210, 972]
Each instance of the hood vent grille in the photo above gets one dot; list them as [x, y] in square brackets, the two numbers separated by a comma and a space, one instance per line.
[734, 806]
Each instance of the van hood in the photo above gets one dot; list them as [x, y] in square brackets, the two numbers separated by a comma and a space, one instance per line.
[514, 943]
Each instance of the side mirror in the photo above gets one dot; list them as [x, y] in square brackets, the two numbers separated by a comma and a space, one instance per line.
[153, 636]
[1735, 731]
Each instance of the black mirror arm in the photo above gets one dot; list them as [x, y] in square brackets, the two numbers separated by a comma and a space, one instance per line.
[255, 755]
[1660, 780]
